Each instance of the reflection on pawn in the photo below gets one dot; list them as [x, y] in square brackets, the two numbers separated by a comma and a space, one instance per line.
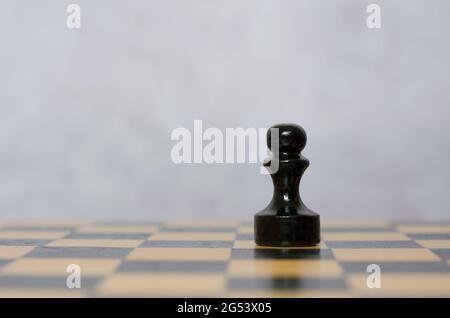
[286, 221]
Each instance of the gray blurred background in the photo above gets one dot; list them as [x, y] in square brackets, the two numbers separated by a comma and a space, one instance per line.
[86, 115]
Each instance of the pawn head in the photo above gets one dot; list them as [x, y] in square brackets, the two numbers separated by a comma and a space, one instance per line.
[291, 138]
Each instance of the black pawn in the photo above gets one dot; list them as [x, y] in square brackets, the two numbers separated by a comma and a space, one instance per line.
[286, 221]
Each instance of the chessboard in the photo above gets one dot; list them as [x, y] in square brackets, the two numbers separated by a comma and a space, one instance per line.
[220, 259]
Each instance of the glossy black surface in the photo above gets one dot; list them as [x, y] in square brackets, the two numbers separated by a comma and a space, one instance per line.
[286, 221]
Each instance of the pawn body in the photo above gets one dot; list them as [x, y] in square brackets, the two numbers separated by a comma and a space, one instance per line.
[286, 221]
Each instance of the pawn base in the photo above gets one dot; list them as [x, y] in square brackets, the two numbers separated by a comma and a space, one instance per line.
[287, 230]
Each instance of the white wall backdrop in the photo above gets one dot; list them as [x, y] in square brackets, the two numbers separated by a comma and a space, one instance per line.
[86, 115]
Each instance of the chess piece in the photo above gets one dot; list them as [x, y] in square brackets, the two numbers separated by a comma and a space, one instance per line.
[286, 221]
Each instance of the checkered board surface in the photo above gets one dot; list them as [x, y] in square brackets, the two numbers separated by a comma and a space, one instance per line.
[182, 259]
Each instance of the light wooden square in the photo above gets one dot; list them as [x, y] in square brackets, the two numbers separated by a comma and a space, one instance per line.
[285, 268]
[374, 255]
[13, 252]
[403, 285]
[246, 230]
[58, 267]
[365, 236]
[119, 229]
[179, 254]
[41, 293]
[212, 224]
[162, 285]
[354, 223]
[434, 243]
[95, 243]
[425, 229]
[192, 236]
[30, 235]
